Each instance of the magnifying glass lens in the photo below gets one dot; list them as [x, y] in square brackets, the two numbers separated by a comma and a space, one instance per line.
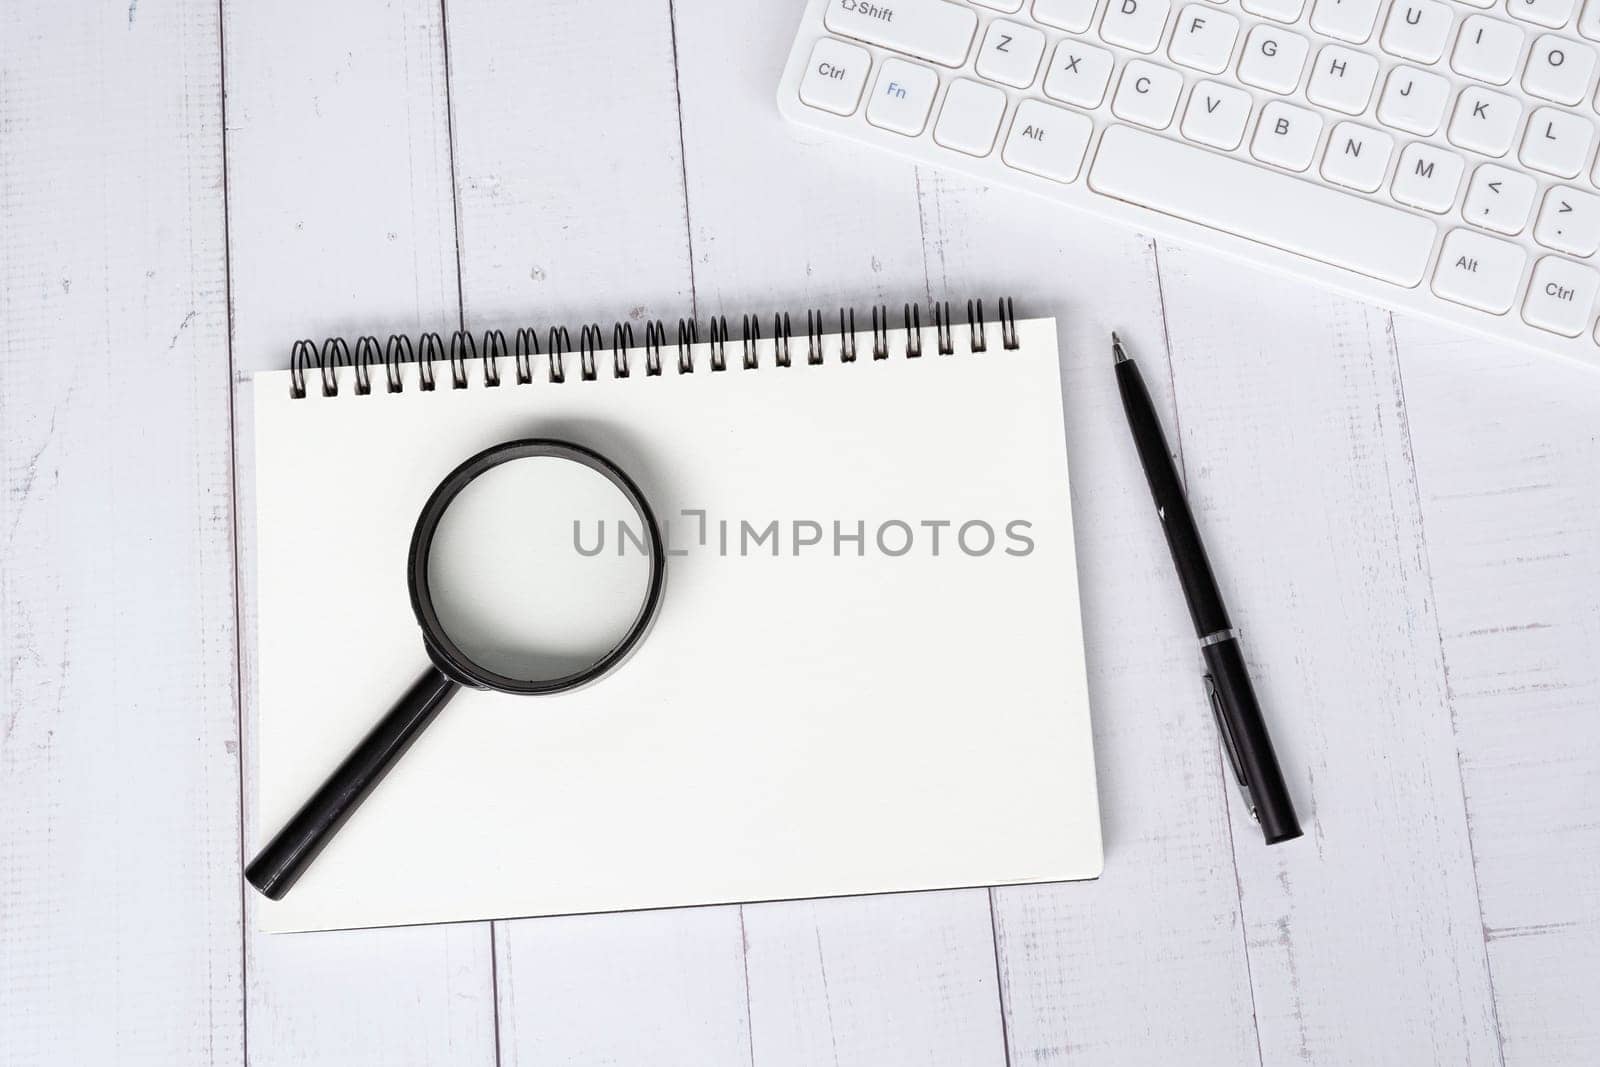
[538, 568]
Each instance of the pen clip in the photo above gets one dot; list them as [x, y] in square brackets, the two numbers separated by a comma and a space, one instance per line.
[1229, 747]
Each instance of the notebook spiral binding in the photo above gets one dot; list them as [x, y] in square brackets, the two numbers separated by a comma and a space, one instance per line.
[308, 360]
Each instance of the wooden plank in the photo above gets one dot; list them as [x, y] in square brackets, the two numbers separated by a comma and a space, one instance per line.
[572, 211]
[341, 215]
[567, 164]
[885, 980]
[782, 219]
[1155, 947]
[647, 988]
[1509, 464]
[119, 900]
[776, 224]
[1364, 937]
[341, 223]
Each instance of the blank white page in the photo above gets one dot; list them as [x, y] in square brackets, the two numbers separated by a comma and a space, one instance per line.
[858, 717]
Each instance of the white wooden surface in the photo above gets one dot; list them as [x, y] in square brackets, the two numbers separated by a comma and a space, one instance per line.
[1408, 519]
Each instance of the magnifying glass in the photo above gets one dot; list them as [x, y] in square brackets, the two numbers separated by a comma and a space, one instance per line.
[517, 589]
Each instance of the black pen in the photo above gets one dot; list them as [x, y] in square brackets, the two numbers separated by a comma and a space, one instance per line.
[1233, 698]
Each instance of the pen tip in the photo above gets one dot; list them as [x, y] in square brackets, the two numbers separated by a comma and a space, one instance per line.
[1116, 348]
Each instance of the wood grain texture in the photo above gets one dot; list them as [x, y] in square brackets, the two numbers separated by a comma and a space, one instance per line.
[568, 171]
[1092, 971]
[339, 189]
[663, 988]
[1373, 915]
[887, 980]
[571, 210]
[340, 223]
[1404, 518]
[119, 901]
[779, 224]
[1507, 452]
[778, 219]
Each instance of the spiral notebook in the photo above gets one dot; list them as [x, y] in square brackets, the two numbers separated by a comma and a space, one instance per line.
[887, 695]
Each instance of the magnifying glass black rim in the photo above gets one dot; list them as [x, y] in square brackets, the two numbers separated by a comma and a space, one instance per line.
[446, 654]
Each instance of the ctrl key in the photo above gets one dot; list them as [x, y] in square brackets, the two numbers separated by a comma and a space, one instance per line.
[834, 77]
[1560, 296]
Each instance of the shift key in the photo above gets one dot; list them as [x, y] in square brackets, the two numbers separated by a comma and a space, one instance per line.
[929, 29]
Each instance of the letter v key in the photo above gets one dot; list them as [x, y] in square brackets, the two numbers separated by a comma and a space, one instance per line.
[1216, 115]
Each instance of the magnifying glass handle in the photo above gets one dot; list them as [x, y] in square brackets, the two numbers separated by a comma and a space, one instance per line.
[278, 866]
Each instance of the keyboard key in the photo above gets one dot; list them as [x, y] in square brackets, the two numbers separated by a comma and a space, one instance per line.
[1428, 177]
[1479, 271]
[834, 78]
[1268, 207]
[1008, 6]
[1273, 59]
[1557, 142]
[1047, 141]
[1549, 13]
[1286, 136]
[1560, 296]
[1073, 16]
[1413, 101]
[1010, 53]
[1569, 222]
[1278, 10]
[1558, 69]
[929, 29]
[1342, 79]
[1217, 115]
[1485, 121]
[1147, 94]
[1499, 199]
[1487, 49]
[1357, 157]
[902, 97]
[970, 117]
[1589, 21]
[1347, 20]
[1135, 24]
[1203, 39]
[1078, 74]
[1418, 29]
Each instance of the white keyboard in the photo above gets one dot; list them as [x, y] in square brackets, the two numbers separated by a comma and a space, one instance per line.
[1434, 156]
